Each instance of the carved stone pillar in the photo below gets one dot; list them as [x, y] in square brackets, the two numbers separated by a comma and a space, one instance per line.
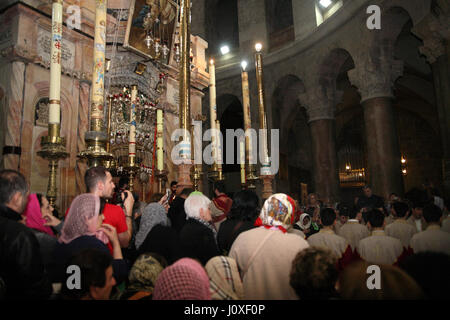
[83, 126]
[320, 104]
[435, 32]
[14, 106]
[375, 80]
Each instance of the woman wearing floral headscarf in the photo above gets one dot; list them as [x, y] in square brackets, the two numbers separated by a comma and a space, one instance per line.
[265, 254]
[156, 234]
[84, 229]
[224, 280]
[184, 280]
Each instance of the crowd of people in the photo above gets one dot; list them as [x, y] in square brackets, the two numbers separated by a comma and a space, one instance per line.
[183, 245]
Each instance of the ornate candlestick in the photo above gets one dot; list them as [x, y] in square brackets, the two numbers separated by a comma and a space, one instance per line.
[53, 146]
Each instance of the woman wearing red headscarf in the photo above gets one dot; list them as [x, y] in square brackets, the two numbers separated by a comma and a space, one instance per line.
[265, 254]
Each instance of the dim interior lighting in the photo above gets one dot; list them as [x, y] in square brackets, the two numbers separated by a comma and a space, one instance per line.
[403, 160]
[347, 167]
[258, 47]
[211, 61]
[244, 65]
[404, 171]
[325, 3]
[360, 174]
[225, 50]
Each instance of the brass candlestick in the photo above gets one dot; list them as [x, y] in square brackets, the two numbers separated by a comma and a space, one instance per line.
[161, 177]
[251, 177]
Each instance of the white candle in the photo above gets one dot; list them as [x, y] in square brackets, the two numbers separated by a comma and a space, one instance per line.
[132, 136]
[219, 145]
[212, 105]
[55, 63]
[242, 157]
[159, 140]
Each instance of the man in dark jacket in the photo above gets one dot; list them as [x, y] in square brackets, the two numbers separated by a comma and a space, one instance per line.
[176, 213]
[198, 238]
[21, 265]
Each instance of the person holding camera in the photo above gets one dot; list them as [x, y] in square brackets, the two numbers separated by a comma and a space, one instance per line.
[99, 182]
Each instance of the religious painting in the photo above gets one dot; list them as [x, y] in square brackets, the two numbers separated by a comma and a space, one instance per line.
[150, 28]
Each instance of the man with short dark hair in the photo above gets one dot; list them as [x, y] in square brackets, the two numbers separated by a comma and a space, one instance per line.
[177, 214]
[433, 238]
[220, 204]
[326, 238]
[400, 228]
[379, 248]
[416, 219]
[173, 191]
[99, 181]
[353, 231]
[21, 265]
[96, 276]
[369, 200]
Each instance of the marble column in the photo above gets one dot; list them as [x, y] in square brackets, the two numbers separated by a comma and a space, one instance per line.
[375, 80]
[83, 126]
[14, 114]
[319, 103]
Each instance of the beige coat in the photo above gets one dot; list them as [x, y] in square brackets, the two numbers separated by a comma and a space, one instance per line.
[412, 221]
[380, 248]
[446, 225]
[389, 219]
[432, 239]
[337, 226]
[264, 257]
[328, 239]
[401, 230]
[353, 232]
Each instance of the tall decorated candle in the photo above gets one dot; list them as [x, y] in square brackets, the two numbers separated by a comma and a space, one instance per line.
[159, 140]
[132, 136]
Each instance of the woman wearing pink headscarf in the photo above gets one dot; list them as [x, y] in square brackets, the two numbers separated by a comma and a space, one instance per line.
[84, 229]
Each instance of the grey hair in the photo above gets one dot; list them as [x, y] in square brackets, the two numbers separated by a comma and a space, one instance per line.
[194, 203]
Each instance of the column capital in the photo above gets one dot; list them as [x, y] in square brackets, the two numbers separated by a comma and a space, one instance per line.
[375, 77]
[320, 102]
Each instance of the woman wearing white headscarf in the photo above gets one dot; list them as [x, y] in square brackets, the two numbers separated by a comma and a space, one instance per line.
[156, 234]
[265, 254]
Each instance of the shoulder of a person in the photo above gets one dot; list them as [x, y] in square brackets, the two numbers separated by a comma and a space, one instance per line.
[113, 209]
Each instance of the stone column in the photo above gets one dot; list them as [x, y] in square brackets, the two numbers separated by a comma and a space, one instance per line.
[319, 104]
[375, 80]
[14, 116]
[436, 39]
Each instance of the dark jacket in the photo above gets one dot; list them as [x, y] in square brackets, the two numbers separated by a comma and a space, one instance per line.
[47, 245]
[63, 252]
[176, 214]
[163, 241]
[229, 231]
[198, 241]
[21, 265]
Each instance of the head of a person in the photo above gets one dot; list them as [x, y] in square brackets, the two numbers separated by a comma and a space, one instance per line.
[400, 209]
[98, 180]
[46, 208]
[173, 186]
[367, 191]
[197, 206]
[432, 213]
[13, 190]
[278, 211]
[343, 213]
[186, 192]
[428, 269]
[417, 210]
[186, 279]
[375, 219]
[387, 283]
[394, 197]
[224, 280]
[145, 271]
[95, 278]
[219, 187]
[314, 274]
[154, 214]
[37, 208]
[327, 217]
[312, 199]
[83, 218]
[245, 206]
[354, 213]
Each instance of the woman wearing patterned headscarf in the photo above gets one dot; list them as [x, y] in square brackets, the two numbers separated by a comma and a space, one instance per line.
[184, 280]
[265, 254]
[224, 280]
[143, 276]
[156, 234]
[84, 229]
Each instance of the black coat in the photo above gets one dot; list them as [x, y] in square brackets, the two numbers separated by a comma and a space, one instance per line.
[21, 265]
[198, 241]
[176, 214]
[229, 231]
[163, 241]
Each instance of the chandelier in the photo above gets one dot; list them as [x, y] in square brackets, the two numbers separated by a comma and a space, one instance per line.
[119, 131]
